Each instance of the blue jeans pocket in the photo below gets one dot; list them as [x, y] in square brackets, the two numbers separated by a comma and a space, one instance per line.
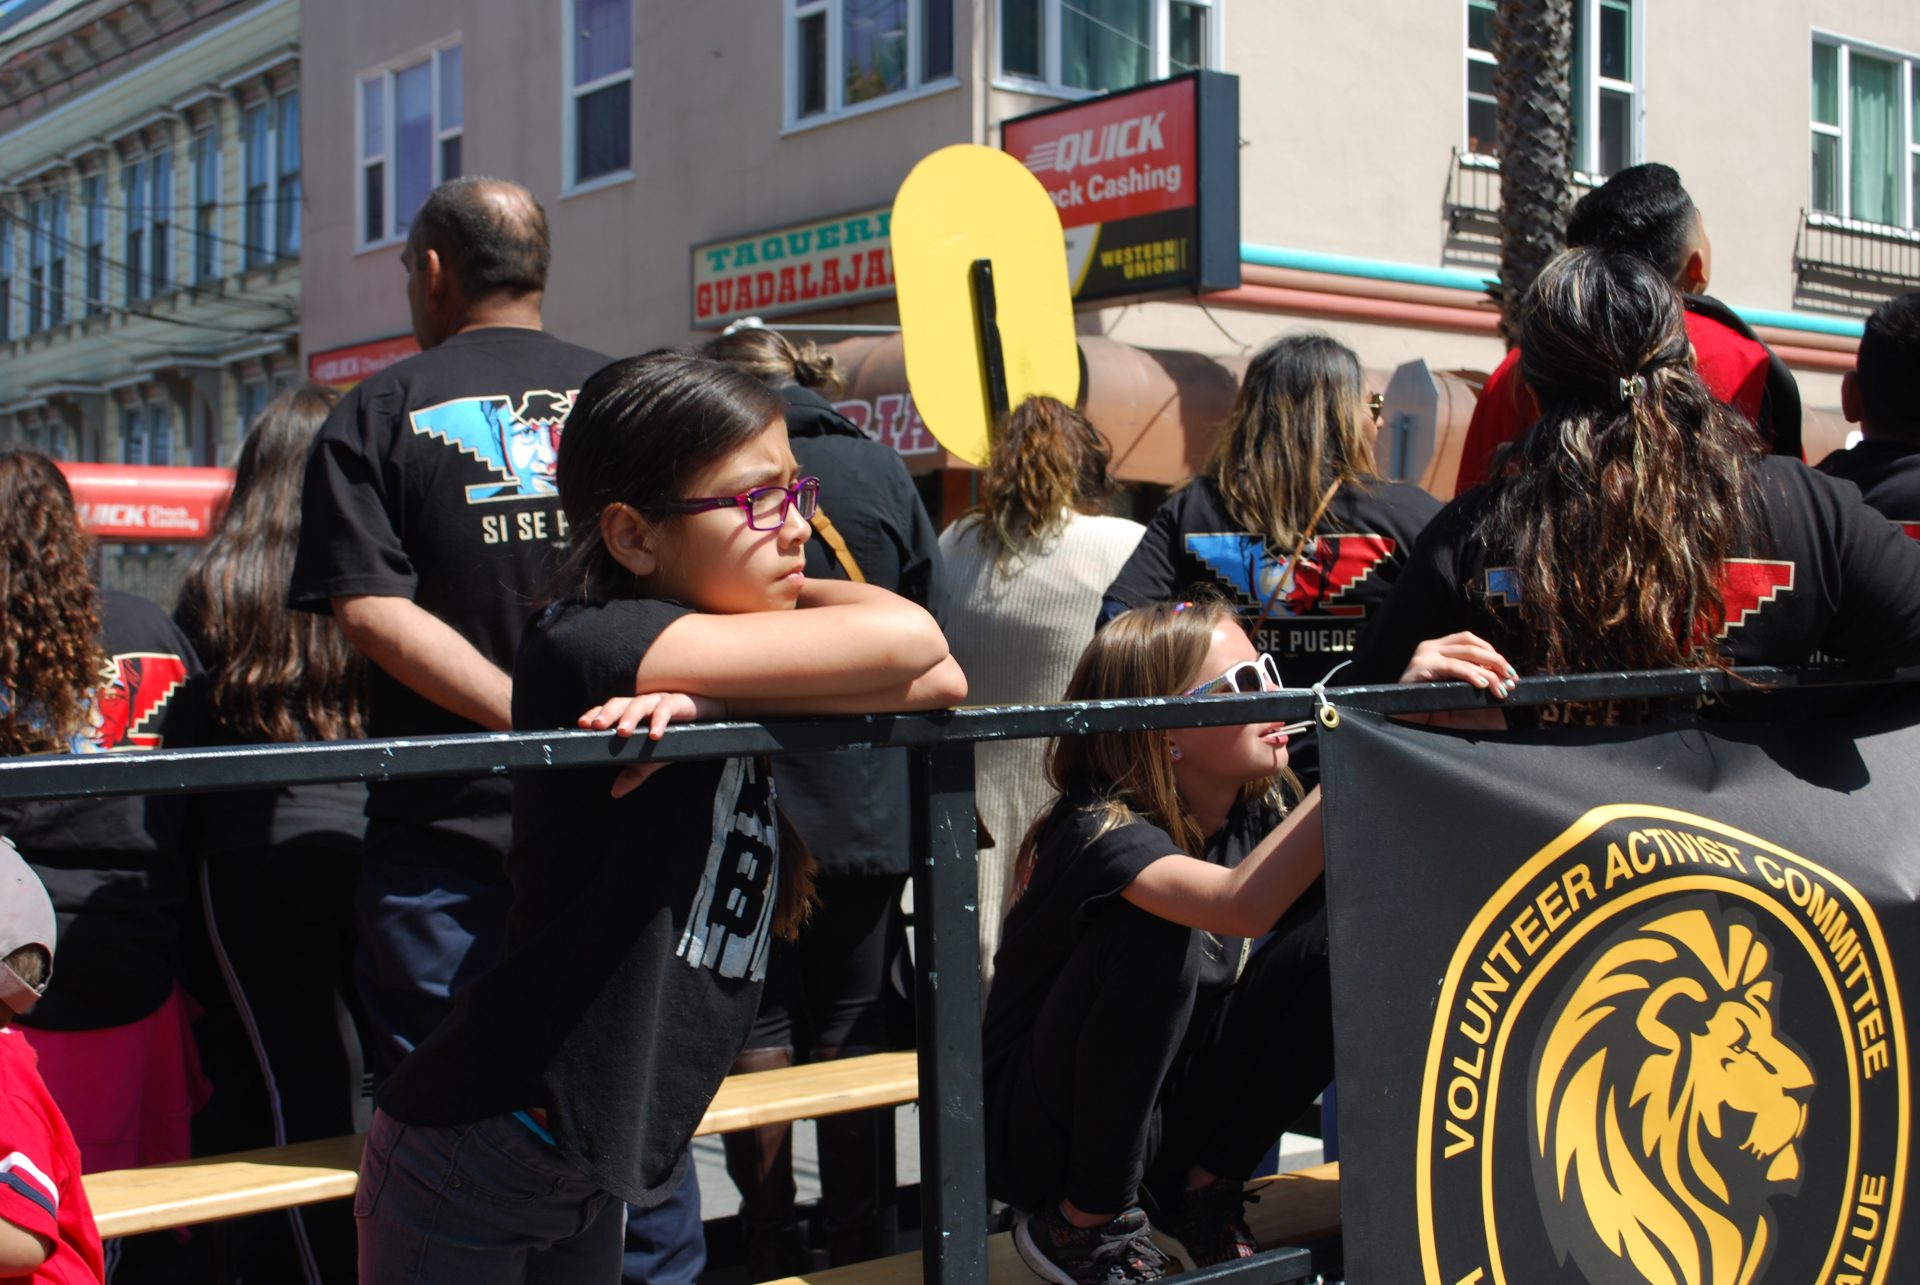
[500, 1161]
[375, 1161]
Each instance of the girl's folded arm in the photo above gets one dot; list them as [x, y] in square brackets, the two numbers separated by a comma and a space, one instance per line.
[843, 639]
[1247, 900]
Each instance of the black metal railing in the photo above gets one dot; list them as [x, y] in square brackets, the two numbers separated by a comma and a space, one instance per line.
[1842, 265]
[954, 1205]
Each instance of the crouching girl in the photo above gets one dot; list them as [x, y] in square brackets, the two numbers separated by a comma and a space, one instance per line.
[568, 1080]
[1138, 1046]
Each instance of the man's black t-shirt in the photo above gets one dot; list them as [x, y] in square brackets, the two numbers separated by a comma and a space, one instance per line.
[114, 867]
[1078, 873]
[638, 937]
[1821, 573]
[1887, 472]
[434, 481]
[1359, 547]
[866, 492]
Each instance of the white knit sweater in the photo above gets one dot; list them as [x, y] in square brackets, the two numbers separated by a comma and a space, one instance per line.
[1017, 630]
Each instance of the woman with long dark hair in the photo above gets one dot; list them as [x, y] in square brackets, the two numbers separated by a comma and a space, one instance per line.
[1292, 521]
[280, 865]
[90, 672]
[1028, 566]
[1638, 525]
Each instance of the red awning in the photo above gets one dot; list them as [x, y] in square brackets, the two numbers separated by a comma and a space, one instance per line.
[142, 502]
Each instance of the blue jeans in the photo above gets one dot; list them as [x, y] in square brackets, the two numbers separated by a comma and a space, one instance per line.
[478, 1204]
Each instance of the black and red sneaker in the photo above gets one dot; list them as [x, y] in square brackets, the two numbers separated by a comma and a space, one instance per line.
[1112, 1254]
[1210, 1222]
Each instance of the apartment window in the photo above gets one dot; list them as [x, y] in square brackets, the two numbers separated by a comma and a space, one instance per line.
[133, 195]
[408, 141]
[160, 223]
[256, 144]
[599, 89]
[1865, 134]
[253, 402]
[6, 277]
[57, 229]
[1093, 46]
[206, 204]
[93, 196]
[1605, 88]
[286, 162]
[39, 226]
[133, 434]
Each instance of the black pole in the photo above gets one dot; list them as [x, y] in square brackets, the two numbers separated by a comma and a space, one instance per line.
[986, 316]
[946, 901]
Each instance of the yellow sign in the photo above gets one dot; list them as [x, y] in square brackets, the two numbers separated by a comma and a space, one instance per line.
[961, 204]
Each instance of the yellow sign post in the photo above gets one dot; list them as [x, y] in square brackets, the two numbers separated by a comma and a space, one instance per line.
[986, 314]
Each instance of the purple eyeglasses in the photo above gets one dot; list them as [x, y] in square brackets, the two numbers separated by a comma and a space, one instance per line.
[765, 506]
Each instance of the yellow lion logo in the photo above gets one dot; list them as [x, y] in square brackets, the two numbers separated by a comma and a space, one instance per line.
[1666, 1109]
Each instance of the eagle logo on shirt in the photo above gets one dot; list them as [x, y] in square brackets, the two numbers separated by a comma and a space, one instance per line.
[519, 441]
[130, 703]
[1327, 568]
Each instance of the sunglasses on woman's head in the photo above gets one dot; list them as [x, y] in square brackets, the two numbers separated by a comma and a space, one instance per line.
[1260, 675]
[765, 506]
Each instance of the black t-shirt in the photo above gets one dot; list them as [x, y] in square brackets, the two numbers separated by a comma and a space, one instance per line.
[1359, 547]
[1079, 873]
[324, 814]
[434, 481]
[867, 493]
[637, 941]
[114, 867]
[1888, 475]
[1821, 573]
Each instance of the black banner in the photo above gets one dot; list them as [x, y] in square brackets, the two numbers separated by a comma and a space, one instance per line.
[1625, 1005]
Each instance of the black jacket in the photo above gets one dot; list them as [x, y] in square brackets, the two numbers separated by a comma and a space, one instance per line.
[852, 807]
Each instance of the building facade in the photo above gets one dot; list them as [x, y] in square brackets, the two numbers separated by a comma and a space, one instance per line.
[1367, 181]
[150, 224]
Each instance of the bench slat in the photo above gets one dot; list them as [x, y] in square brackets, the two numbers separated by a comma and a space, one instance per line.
[816, 1089]
[129, 1201]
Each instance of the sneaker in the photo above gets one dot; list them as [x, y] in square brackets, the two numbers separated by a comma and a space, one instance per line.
[1121, 1251]
[1210, 1222]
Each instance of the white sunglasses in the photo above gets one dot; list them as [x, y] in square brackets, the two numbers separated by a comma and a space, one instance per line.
[1261, 675]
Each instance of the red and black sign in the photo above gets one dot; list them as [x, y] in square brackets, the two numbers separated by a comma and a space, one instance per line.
[1147, 182]
[1625, 1005]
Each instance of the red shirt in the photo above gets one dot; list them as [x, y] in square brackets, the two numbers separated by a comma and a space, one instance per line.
[1733, 367]
[40, 1187]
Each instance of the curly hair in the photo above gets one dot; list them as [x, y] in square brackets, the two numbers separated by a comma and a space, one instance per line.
[1047, 459]
[1633, 488]
[50, 655]
[280, 674]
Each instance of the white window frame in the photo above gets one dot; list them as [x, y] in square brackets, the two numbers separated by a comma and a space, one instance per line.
[1051, 81]
[95, 285]
[8, 219]
[1909, 69]
[204, 149]
[161, 205]
[1588, 86]
[136, 283]
[833, 14]
[40, 262]
[277, 177]
[571, 94]
[386, 72]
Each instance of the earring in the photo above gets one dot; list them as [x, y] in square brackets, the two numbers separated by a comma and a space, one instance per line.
[1176, 753]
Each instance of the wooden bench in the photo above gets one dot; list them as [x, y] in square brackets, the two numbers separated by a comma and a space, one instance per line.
[128, 1201]
[1293, 1209]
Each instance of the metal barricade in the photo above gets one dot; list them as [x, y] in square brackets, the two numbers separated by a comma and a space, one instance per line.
[954, 1203]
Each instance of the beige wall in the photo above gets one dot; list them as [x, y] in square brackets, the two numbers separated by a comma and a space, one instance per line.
[1349, 113]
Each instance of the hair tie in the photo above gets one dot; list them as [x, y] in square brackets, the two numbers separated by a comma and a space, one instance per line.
[1632, 387]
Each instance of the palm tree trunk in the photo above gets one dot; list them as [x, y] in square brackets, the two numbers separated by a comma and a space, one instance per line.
[1533, 41]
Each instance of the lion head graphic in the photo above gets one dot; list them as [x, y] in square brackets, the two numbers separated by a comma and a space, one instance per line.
[1666, 1109]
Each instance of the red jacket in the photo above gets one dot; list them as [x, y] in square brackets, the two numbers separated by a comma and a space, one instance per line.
[1739, 369]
